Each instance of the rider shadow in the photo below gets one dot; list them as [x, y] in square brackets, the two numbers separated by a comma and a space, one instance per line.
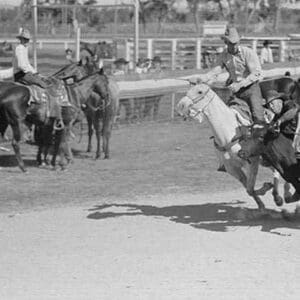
[211, 216]
[10, 160]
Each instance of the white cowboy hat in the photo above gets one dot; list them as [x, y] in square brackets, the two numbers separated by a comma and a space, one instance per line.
[24, 34]
[231, 35]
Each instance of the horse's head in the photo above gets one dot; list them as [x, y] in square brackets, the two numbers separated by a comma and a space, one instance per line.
[74, 70]
[195, 101]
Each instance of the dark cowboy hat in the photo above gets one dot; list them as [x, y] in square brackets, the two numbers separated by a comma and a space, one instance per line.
[266, 42]
[272, 95]
[231, 35]
[156, 59]
[121, 61]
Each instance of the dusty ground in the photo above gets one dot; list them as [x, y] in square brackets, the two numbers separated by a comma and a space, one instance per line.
[154, 222]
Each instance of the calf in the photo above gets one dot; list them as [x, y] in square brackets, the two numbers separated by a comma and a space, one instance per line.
[278, 150]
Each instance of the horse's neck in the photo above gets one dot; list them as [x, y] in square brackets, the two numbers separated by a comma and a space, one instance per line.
[222, 121]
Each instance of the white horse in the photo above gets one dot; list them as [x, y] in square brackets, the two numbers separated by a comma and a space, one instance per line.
[201, 101]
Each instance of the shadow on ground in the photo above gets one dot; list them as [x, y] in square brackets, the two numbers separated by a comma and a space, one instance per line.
[210, 216]
[11, 161]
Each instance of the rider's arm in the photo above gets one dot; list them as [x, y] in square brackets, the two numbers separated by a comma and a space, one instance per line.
[210, 76]
[254, 67]
[22, 59]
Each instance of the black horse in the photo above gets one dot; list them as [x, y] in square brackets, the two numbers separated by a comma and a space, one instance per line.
[99, 113]
[278, 151]
[16, 107]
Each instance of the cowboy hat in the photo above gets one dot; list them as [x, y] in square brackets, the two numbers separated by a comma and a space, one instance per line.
[231, 35]
[272, 95]
[121, 61]
[156, 59]
[24, 34]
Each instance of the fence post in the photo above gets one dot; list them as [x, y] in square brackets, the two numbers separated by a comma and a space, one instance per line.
[173, 54]
[149, 48]
[254, 45]
[77, 45]
[282, 50]
[172, 105]
[198, 53]
[128, 50]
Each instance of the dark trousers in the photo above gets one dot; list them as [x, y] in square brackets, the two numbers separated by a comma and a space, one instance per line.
[252, 95]
[30, 78]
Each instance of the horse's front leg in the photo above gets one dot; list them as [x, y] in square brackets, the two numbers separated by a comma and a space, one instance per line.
[57, 142]
[251, 179]
[90, 132]
[96, 122]
[107, 128]
[16, 145]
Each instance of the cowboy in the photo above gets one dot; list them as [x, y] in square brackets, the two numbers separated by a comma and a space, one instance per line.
[155, 65]
[285, 112]
[69, 55]
[24, 72]
[121, 66]
[245, 72]
[266, 54]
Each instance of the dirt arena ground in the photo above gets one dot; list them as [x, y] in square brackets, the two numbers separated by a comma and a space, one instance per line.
[156, 221]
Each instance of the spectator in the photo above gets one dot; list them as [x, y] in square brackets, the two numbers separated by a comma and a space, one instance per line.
[266, 55]
[120, 66]
[155, 65]
[69, 55]
[142, 65]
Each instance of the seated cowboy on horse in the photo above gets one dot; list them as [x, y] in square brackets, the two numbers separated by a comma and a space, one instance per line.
[286, 114]
[42, 89]
[24, 72]
[245, 72]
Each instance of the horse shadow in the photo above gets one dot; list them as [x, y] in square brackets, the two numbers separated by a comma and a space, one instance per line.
[218, 217]
[81, 154]
[7, 161]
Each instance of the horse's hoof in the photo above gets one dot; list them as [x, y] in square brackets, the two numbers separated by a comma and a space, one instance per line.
[278, 200]
[293, 198]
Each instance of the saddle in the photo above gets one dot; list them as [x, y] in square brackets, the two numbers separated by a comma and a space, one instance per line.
[55, 96]
[242, 111]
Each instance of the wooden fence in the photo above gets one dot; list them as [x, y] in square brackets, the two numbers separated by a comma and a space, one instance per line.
[176, 53]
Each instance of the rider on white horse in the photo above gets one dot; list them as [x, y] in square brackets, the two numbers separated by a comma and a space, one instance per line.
[245, 72]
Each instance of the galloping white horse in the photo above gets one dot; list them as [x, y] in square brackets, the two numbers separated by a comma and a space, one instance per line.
[201, 101]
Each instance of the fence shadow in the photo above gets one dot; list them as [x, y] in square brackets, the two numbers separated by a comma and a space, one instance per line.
[210, 216]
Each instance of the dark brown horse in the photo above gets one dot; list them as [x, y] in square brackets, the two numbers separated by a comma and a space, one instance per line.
[279, 152]
[16, 107]
[99, 114]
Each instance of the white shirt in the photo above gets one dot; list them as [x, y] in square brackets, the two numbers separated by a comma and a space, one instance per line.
[21, 61]
[266, 55]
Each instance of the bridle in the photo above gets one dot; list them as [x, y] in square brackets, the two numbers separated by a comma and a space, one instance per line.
[197, 99]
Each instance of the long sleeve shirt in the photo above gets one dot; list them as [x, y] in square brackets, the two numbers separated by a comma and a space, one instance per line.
[288, 118]
[21, 61]
[266, 55]
[243, 67]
